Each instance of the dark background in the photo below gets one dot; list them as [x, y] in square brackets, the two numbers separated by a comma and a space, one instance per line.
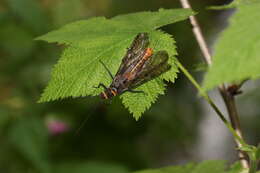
[50, 136]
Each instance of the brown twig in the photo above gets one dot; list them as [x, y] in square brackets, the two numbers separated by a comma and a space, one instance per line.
[228, 97]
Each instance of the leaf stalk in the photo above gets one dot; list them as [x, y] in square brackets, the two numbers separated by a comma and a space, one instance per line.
[228, 98]
[210, 101]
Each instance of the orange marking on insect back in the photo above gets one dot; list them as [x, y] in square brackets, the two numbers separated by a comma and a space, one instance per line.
[105, 95]
[113, 92]
[148, 53]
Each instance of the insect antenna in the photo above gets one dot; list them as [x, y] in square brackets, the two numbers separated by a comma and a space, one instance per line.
[110, 74]
[101, 85]
[86, 119]
[82, 124]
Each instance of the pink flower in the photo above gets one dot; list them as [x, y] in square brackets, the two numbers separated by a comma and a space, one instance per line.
[56, 127]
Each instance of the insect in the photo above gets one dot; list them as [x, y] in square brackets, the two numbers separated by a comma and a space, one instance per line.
[139, 65]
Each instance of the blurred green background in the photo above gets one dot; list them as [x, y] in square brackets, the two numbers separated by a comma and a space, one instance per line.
[87, 134]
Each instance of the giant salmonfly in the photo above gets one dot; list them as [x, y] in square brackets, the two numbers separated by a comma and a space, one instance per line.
[139, 65]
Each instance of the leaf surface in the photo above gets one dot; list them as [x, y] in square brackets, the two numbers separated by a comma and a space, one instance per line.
[78, 70]
[212, 166]
[237, 52]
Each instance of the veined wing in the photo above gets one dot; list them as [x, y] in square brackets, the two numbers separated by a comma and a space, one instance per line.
[134, 53]
[153, 67]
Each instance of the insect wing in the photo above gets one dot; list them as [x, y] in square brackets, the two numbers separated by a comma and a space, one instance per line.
[134, 52]
[154, 67]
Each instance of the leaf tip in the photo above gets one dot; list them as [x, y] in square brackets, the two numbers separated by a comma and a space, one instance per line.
[42, 99]
[137, 116]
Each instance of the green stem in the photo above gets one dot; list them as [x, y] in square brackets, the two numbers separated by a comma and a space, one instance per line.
[253, 166]
[209, 100]
[253, 155]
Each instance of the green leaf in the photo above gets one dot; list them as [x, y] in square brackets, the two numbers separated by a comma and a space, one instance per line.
[97, 30]
[92, 167]
[204, 167]
[89, 41]
[248, 148]
[233, 4]
[236, 168]
[237, 51]
[170, 169]
[212, 166]
[257, 153]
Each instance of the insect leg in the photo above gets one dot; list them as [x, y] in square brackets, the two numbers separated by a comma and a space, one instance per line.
[110, 74]
[101, 85]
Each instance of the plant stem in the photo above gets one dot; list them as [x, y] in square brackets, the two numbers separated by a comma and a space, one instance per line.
[253, 166]
[227, 97]
[234, 119]
[209, 100]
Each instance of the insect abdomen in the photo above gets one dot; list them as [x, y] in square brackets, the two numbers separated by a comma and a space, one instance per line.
[109, 93]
